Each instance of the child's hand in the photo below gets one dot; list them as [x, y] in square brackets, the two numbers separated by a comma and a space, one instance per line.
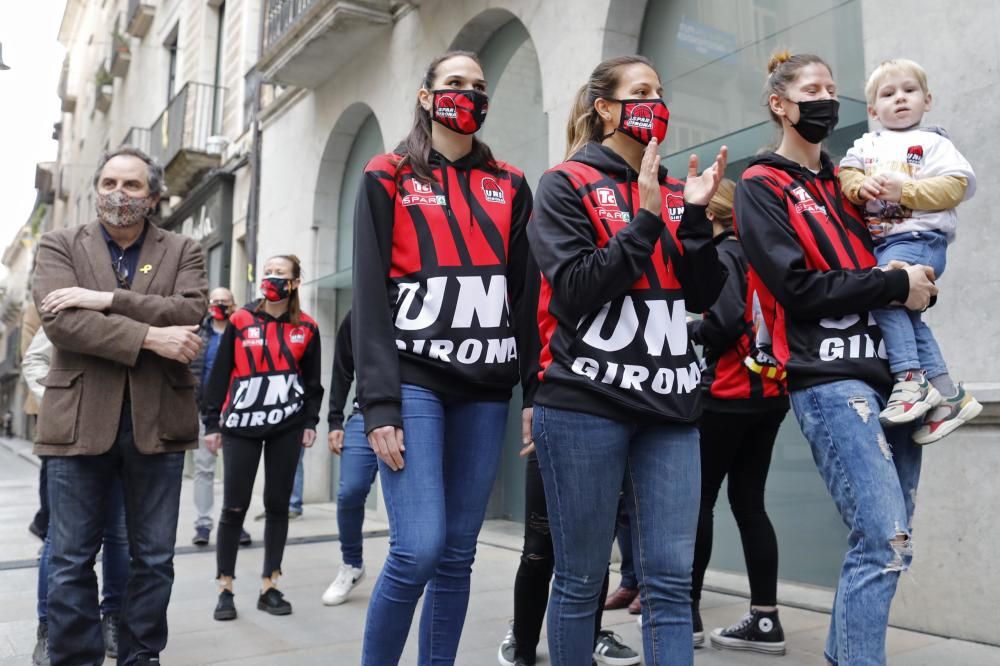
[892, 187]
[870, 188]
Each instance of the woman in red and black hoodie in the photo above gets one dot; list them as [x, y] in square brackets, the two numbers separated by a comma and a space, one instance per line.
[439, 271]
[812, 285]
[624, 250]
[264, 393]
[743, 411]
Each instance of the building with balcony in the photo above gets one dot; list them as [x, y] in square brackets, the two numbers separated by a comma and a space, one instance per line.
[339, 81]
[168, 77]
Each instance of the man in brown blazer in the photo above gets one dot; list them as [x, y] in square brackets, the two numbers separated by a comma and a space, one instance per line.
[120, 299]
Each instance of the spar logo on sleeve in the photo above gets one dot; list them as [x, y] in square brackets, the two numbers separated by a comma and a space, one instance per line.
[607, 206]
[422, 195]
[492, 191]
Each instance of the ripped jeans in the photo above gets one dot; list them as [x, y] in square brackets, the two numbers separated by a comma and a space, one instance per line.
[872, 476]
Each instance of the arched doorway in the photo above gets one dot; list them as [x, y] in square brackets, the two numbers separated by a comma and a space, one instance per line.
[517, 131]
[712, 57]
[355, 139]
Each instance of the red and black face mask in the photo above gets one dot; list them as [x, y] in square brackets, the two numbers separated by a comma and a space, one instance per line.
[218, 312]
[643, 119]
[462, 111]
[275, 288]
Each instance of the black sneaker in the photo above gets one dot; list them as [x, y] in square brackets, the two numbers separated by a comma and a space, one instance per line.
[757, 631]
[226, 608]
[273, 602]
[609, 649]
[698, 629]
[109, 629]
[40, 657]
[245, 539]
[201, 536]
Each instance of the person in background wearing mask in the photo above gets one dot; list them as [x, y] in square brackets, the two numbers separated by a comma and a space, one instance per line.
[263, 395]
[438, 292]
[743, 411]
[623, 249]
[220, 306]
[812, 284]
[35, 366]
[121, 300]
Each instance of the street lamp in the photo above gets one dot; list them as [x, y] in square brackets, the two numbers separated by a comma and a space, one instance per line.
[2, 66]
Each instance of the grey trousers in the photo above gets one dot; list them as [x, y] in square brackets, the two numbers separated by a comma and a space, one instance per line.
[204, 479]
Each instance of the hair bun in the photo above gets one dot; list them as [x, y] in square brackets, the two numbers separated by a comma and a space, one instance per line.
[777, 58]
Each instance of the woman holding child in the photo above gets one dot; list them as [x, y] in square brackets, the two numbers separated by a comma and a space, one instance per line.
[813, 282]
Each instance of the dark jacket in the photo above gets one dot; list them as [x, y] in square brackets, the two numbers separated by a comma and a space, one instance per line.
[438, 282]
[342, 376]
[811, 283]
[616, 283]
[724, 332]
[266, 376]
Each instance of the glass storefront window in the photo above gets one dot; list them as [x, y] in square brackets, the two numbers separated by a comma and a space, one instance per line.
[712, 57]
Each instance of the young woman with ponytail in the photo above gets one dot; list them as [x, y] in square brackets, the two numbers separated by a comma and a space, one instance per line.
[439, 283]
[624, 250]
[263, 394]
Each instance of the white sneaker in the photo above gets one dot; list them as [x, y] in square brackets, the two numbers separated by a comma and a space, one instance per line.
[346, 580]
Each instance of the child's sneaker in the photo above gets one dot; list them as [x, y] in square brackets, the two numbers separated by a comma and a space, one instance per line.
[912, 397]
[758, 631]
[947, 416]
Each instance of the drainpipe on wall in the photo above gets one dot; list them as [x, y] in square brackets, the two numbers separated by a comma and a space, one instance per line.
[253, 205]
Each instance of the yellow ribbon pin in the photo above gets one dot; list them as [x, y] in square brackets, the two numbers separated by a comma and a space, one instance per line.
[146, 268]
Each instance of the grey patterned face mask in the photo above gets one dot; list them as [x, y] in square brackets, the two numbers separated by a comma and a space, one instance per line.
[120, 210]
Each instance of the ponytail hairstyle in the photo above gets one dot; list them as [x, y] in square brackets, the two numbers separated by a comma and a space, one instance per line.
[294, 305]
[782, 70]
[416, 147]
[585, 125]
[721, 204]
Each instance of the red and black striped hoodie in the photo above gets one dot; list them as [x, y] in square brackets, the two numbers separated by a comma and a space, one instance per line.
[266, 377]
[616, 283]
[725, 335]
[811, 274]
[439, 275]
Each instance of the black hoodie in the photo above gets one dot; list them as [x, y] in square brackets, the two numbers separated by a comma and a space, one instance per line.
[725, 335]
[616, 284]
[812, 282]
[439, 275]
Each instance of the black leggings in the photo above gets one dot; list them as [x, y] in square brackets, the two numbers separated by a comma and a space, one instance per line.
[531, 586]
[739, 444]
[241, 456]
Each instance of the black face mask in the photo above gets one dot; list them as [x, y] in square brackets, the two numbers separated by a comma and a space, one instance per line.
[817, 118]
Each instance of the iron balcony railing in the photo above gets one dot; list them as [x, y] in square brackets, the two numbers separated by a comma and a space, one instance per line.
[138, 137]
[191, 117]
[280, 16]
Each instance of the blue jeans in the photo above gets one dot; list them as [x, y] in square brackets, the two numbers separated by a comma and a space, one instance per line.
[872, 476]
[358, 466]
[623, 534]
[436, 506]
[584, 461]
[80, 488]
[295, 502]
[908, 340]
[114, 559]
